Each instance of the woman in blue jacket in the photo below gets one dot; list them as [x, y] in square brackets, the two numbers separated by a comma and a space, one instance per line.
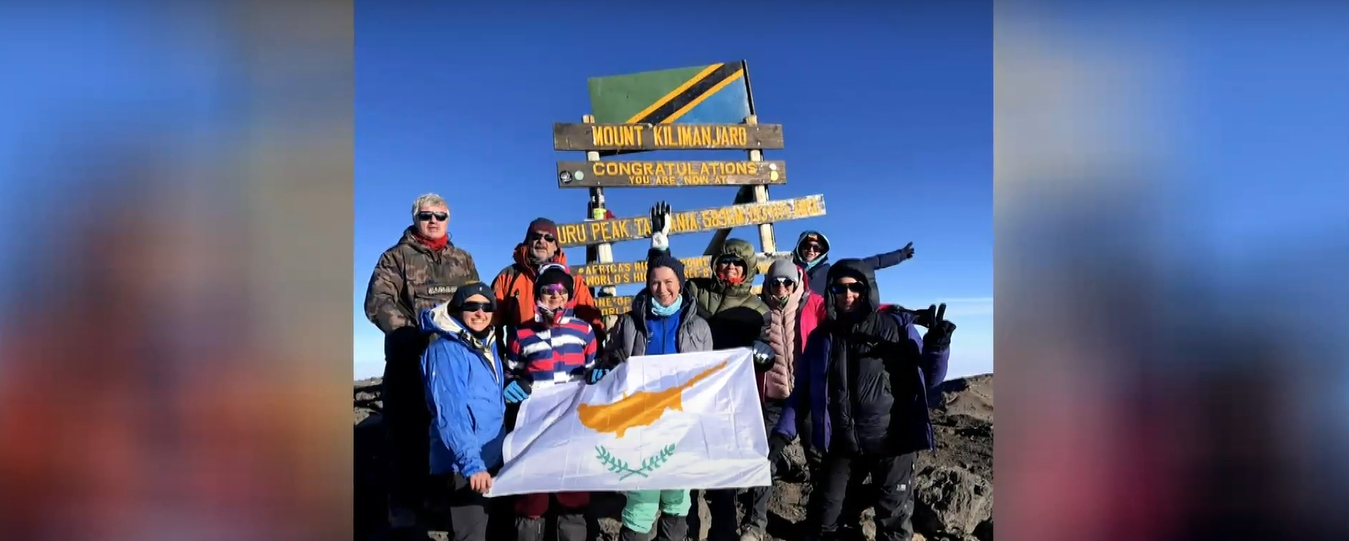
[462, 373]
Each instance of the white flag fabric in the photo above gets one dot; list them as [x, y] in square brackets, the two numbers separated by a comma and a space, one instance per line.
[666, 422]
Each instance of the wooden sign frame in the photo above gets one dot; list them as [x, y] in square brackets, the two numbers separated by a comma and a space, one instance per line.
[692, 221]
[644, 137]
[669, 174]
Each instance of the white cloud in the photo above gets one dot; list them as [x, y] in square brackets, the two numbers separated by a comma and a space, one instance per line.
[967, 306]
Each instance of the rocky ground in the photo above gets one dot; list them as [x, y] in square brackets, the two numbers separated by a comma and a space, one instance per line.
[954, 485]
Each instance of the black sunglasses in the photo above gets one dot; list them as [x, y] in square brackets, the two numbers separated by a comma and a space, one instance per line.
[855, 287]
[536, 236]
[426, 216]
[477, 307]
[783, 281]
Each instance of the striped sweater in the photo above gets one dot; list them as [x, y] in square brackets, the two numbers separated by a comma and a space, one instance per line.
[549, 354]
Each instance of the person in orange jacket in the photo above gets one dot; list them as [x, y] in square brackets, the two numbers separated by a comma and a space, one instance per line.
[514, 285]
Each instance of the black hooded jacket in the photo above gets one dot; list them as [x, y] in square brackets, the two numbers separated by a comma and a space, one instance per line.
[871, 361]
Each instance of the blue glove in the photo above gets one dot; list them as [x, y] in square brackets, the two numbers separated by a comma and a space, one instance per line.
[515, 392]
[763, 355]
[597, 374]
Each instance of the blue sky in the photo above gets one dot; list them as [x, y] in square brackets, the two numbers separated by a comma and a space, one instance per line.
[886, 110]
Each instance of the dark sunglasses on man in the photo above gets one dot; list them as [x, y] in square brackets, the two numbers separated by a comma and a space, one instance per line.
[425, 216]
[786, 282]
[855, 287]
[536, 236]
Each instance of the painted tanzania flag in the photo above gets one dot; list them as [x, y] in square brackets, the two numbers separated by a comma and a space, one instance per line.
[713, 94]
[690, 420]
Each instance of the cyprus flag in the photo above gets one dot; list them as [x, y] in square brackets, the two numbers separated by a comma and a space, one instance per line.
[690, 420]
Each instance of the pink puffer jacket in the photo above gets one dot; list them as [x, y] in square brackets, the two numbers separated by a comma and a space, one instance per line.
[789, 326]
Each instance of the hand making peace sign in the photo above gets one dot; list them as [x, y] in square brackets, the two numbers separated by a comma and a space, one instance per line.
[939, 330]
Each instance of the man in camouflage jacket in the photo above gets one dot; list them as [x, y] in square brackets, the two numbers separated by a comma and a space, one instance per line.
[422, 270]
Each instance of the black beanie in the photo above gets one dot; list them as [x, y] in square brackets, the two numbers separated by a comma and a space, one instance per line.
[462, 294]
[554, 273]
[669, 262]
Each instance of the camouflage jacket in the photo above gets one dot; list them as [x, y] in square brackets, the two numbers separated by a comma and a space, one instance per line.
[409, 278]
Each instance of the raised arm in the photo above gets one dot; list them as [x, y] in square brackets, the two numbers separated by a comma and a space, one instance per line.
[890, 259]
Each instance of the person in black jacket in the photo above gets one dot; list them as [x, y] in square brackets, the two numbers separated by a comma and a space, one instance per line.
[812, 255]
[870, 363]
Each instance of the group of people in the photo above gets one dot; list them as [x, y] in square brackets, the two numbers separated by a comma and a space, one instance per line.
[848, 374]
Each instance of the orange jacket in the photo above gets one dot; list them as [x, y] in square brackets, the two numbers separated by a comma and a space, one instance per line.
[514, 288]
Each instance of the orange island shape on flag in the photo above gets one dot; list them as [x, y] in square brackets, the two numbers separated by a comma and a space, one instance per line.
[642, 408]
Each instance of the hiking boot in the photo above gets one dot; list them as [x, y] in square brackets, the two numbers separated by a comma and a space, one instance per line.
[752, 533]
[529, 529]
[626, 534]
[401, 518]
[672, 528]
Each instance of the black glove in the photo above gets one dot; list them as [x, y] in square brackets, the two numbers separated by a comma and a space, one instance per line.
[776, 443]
[907, 251]
[658, 213]
[939, 331]
[763, 356]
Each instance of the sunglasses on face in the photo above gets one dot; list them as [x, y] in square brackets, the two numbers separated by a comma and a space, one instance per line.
[554, 289]
[785, 282]
[536, 236]
[426, 216]
[855, 287]
[477, 307]
[812, 247]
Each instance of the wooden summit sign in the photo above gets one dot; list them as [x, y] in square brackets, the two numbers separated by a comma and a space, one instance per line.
[664, 174]
[692, 221]
[667, 136]
[616, 306]
[634, 272]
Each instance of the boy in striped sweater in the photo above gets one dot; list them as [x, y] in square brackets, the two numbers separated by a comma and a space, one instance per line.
[553, 348]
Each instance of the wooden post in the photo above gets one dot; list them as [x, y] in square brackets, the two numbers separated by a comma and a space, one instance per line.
[766, 242]
[747, 194]
[604, 253]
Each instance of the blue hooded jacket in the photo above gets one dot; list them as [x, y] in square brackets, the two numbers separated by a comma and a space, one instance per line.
[463, 379]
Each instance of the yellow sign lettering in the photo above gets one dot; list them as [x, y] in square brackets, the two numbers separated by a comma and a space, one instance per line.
[626, 229]
[623, 135]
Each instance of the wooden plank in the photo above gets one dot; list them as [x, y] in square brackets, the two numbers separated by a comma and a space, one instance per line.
[615, 306]
[669, 174]
[692, 221]
[744, 195]
[667, 136]
[634, 272]
[674, 95]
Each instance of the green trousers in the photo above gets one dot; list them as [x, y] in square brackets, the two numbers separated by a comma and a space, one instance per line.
[639, 515]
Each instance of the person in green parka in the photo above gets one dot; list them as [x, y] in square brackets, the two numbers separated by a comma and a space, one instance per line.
[738, 318]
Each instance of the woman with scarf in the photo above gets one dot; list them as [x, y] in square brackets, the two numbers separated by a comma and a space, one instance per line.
[663, 321]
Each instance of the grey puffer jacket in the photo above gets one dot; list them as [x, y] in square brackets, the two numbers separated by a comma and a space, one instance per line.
[630, 334]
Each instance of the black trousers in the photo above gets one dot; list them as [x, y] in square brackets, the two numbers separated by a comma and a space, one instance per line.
[756, 512]
[721, 506]
[470, 511]
[407, 421]
[839, 498]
